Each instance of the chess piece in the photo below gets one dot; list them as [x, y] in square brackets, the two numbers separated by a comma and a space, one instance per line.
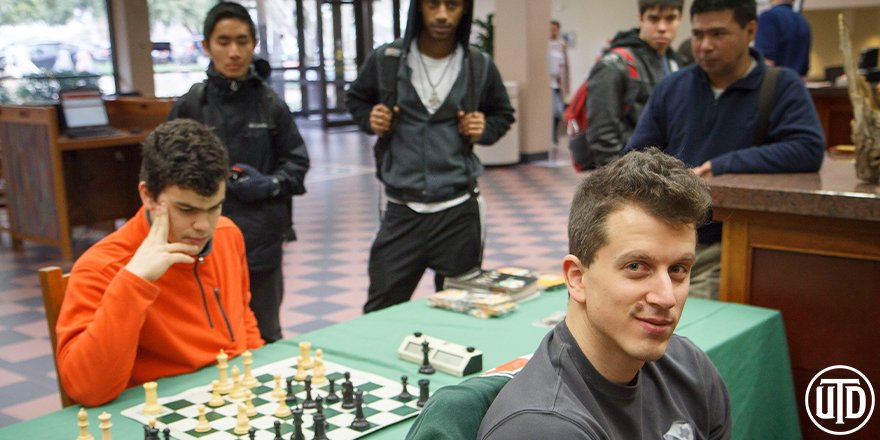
[283, 410]
[242, 422]
[249, 402]
[320, 377]
[320, 427]
[236, 393]
[223, 366]
[297, 425]
[308, 402]
[426, 367]
[319, 408]
[151, 407]
[203, 425]
[301, 373]
[332, 397]
[216, 398]
[278, 392]
[305, 355]
[252, 433]
[360, 422]
[404, 395]
[424, 392]
[277, 426]
[166, 433]
[83, 423]
[249, 380]
[291, 396]
[347, 395]
[104, 425]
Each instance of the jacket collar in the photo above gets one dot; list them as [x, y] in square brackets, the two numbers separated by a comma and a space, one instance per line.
[228, 86]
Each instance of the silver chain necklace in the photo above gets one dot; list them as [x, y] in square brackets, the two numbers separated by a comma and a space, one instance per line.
[435, 100]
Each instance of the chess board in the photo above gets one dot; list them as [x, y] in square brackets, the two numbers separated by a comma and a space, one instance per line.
[381, 406]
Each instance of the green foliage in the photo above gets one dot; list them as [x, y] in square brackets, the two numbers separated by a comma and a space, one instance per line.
[486, 35]
[48, 11]
[188, 13]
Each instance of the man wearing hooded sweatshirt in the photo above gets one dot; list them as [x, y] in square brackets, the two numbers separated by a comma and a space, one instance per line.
[442, 106]
[616, 100]
[269, 156]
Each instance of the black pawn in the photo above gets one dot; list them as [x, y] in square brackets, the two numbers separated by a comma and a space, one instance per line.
[426, 367]
[360, 422]
[320, 431]
[166, 433]
[154, 434]
[424, 392]
[297, 425]
[331, 394]
[290, 400]
[404, 395]
[277, 425]
[347, 378]
[252, 432]
[309, 402]
[347, 395]
[319, 408]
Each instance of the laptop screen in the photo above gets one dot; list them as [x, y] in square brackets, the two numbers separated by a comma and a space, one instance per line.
[83, 108]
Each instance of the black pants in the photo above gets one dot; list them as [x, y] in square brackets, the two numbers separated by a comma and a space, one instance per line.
[450, 242]
[267, 291]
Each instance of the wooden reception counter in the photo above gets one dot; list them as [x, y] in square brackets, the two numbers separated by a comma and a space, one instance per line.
[54, 182]
[809, 246]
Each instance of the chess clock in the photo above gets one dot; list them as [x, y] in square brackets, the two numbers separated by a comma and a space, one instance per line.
[447, 357]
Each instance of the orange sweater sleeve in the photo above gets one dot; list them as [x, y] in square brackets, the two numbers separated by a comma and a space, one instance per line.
[254, 340]
[98, 332]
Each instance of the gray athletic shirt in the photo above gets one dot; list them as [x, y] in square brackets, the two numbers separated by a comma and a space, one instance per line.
[559, 395]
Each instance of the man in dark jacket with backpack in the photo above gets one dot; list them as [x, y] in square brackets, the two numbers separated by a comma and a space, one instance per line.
[269, 156]
[728, 113]
[448, 97]
[622, 80]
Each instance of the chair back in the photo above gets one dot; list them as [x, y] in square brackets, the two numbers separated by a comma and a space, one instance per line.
[53, 283]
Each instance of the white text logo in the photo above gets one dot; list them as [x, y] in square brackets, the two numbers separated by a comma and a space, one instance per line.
[839, 400]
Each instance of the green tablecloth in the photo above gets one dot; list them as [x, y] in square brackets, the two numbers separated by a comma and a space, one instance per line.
[746, 343]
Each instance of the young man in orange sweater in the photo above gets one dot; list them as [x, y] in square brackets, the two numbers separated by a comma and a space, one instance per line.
[163, 294]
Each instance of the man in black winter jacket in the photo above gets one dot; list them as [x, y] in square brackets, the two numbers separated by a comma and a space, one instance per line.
[615, 99]
[425, 159]
[269, 156]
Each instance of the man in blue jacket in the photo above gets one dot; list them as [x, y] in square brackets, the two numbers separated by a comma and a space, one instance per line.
[784, 37]
[707, 116]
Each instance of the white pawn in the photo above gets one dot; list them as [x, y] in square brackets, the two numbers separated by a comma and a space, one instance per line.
[151, 406]
[105, 425]
[216, 398]
[283, 410]
[278, 392]
[249, 380]
[320, 377]
[203, 425]
[305, 355]
[249, 403]
[242, 422]
[300, 374]
[83, 422]
[236, 392]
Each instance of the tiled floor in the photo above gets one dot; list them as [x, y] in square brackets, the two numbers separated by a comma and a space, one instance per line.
[325, 270]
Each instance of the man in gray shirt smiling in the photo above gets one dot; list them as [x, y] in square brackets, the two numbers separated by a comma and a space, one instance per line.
[613, 369]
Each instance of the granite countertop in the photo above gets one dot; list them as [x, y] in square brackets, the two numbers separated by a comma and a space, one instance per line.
[833, 192]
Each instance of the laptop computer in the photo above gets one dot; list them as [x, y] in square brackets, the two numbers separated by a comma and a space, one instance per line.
[84, 115]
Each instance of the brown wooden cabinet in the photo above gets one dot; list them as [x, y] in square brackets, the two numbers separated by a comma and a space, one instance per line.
[835, 114]
[809, 246]
[54, 182]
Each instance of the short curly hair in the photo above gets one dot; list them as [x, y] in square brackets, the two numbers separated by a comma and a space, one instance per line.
[185, 153]
[650, 179]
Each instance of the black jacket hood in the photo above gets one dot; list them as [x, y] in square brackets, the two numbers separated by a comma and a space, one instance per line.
[628, 38]
[415, 24]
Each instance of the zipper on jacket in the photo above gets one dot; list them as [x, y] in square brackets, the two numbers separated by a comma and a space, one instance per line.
[202, 290]
[223, 313]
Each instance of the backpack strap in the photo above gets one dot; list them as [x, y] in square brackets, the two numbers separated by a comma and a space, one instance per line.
[627, 56]
[765, 104]
[386, 68]
[191, 107]
[479, 74]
